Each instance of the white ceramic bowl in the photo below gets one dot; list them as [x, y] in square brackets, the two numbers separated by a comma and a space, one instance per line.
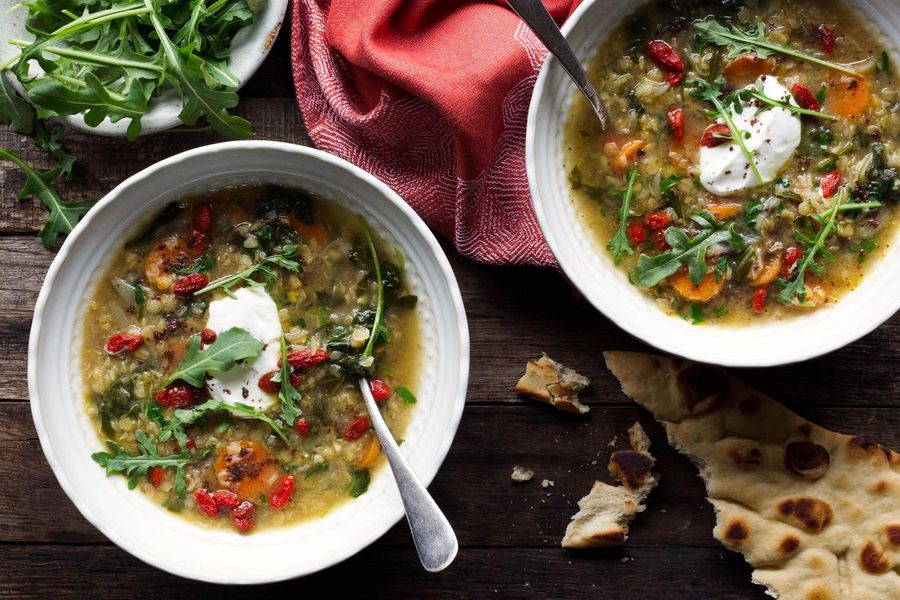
[591, 269]
[249, 48]
[147, 530]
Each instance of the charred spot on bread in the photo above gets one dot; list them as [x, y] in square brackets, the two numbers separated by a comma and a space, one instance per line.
[806, 459]
[789, 545]
[810, 514]
[704, 386]
[864, 448]
[630, 467]
[873, 559]
[736, 533]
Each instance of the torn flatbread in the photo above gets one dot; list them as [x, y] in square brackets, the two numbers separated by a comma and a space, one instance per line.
[605, 513]
[545, 380]
[816, 513]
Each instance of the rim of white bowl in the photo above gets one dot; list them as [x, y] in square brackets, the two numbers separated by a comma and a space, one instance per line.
[681, 338]
[250, 47]
[420, 229]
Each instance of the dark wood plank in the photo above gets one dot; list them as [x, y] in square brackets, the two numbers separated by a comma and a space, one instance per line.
[509, 324]
[571, 451]
[691, 574]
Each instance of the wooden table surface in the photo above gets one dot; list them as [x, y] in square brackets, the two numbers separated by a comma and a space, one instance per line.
[509, 534]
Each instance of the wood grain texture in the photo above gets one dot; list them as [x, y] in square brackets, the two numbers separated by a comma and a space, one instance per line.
[509, 533]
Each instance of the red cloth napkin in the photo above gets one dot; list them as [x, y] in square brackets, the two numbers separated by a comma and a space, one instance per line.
[430, 96]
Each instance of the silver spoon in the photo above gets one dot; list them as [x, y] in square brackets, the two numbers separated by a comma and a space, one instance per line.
[434, 538]
[541, 23]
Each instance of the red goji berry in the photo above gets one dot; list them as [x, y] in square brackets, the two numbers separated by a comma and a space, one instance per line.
[790, 258]
[123, 342]
[226, 499]
[266, 384]
[674, 78]
[664, 56]
[804, 97]
[302, 427]
[198, 241]
[203, 218]
[305, 358]
[178, 395]
[712, 136]
[189, 284]
[242, 517]
[758, 304]
[190, 444]
[380, 390]
[675, 119]
[296, 379]
[656, 220]
[830, 183]
[826, 37]
[355, 430]
[208, 336]
[282, 493]
[635, 232]
[205, 502]
[659, 240]
[155, 475]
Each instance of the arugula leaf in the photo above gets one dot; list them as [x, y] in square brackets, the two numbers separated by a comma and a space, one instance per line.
[63, 216]
[705, 91]
[117, 461]
[230, 346]
[359, 482]
[379, 330]
[286, 260]
[651, 270]
[184, 417]
[619, 243]
[407, 396]
[668, 183]
[795, 289]
[754, 39]
[204, 262]
[289, 395]
[757, 92]
[14, 111]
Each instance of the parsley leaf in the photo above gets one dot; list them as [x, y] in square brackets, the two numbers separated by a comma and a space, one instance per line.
[651, 270]
[754, 39]
[136, 466]
[619, 243]
[230, 346]
[63, 215]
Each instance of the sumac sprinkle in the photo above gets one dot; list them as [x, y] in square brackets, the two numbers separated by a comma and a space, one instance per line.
[123, 342]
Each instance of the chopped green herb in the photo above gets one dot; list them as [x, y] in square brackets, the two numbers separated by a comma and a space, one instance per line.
[289, 396]
[134, 467]
[286, 260]
[619, 243]
[316, 469]
[407, 396]
[359, 482]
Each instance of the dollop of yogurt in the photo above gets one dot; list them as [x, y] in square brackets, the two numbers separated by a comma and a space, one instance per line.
[774, 137]
[253, 310]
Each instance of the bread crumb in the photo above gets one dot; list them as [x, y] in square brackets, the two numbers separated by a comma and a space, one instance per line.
[545, 380]
[521, 474]
[547, 483]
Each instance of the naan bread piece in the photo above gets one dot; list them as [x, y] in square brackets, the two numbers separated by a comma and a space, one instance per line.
[607, 510]
[816, 513]
[545, 380]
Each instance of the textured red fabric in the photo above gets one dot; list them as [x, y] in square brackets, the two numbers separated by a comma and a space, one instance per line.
[430, 96]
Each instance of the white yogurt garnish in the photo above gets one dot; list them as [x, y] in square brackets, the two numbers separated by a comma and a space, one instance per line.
[253, 310]
[774, 137]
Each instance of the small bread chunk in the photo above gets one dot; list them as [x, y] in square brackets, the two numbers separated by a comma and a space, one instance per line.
[815, 512]
[545, 380]
[607, 510]
[521, 474]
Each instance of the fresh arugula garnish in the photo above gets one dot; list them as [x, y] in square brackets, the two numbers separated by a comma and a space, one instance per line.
[136, 466]
[794, 290]
[230, 346]
[109, 61]
[757, 92]
[359, 482]
[407, 396]
[754, 39]
[289, 395]
[711, 93]
[204, 263]
[286, 260]
[668, 183]
[64, 215]
[619, 243]
[379, 329]
[651, 270]
[184, 417]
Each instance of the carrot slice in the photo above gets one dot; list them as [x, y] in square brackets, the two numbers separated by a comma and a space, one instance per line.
[848, 96]
[246, 468]
[627, 154]
[315, 232]
[747, 67]
[770, 271]
[160, 259]
[705, 291]
[370, 454]
[723, 212]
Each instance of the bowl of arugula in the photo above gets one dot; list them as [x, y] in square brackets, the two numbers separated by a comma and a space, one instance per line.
[202, 550]
[123, 67]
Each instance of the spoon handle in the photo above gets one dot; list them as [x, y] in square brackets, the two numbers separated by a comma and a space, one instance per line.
[541, 23]
[432, 534]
